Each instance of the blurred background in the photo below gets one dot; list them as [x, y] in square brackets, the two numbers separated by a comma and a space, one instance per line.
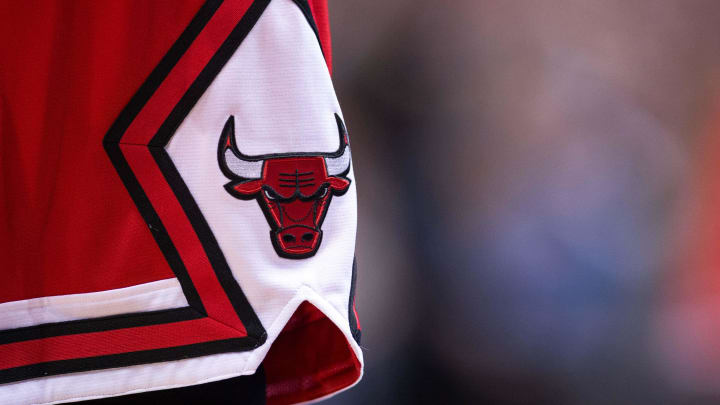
[539, 186]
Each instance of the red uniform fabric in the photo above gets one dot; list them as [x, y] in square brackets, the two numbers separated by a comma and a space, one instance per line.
[65, 213]
[68, 224]
[68, 68]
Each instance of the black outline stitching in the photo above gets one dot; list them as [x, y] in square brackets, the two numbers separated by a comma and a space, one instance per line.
[307, 13]
[356, 332]
[228, 142]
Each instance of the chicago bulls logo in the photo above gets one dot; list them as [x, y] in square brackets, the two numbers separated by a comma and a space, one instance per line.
[294, 190]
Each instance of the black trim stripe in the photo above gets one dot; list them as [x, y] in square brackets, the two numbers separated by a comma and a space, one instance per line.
[123, 359]
[168, 128]
[356, 332]
[167, 167]
[206, 76]
[256, 332]
[307, 12]
[157, 229]
[156, 77]
[210, 245]
[101, 324]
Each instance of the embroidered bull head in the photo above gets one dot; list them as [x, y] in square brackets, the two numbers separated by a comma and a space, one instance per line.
[294, 190]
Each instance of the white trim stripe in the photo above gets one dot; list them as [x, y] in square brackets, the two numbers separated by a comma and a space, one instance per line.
[153, 296]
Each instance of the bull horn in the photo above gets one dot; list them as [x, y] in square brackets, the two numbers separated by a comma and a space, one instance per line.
[232, 161]
[339, 162]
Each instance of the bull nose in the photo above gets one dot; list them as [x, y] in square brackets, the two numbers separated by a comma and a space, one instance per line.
[297, 237]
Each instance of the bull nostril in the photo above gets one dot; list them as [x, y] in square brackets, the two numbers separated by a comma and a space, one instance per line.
[287, 238]
[307, 237]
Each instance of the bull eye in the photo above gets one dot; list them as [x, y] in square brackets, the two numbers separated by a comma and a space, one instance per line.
[323, 192]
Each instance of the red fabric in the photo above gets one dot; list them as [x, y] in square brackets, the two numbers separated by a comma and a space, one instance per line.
[319, 10]
[310, 359]
[185, 71]
[184, 238]
[146, 125]
[111, 342]
[67, 224]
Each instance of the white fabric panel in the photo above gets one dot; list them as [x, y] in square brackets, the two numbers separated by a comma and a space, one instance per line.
[156, 295]
[279, 90]
[149, 377]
